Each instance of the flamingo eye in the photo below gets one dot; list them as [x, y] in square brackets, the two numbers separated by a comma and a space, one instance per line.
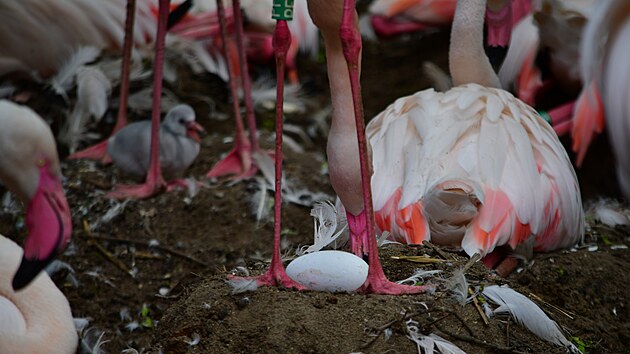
[182, 121]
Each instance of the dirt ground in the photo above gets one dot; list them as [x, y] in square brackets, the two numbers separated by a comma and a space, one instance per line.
[152, 279]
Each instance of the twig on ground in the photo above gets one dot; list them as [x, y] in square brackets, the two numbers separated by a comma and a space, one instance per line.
[145, 243]
[471, 261]
[474, 340]
[437, 250]
[476, 303]
[567, 313]
[91, 241]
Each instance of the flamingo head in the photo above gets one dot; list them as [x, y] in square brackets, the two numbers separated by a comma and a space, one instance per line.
[180, 120]
[49, 224]
[30, 169]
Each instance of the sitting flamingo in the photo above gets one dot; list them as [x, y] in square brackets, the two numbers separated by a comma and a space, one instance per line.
[473, 166]
[36, 319]
[130, 148]
[30, 168]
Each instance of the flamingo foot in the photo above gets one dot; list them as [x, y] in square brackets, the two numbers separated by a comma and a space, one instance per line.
[96, 152]
[238, 164]
[243, 162]
[378, 284]
[507, 266]
[142, 191]
[182, 183]
[275, 276]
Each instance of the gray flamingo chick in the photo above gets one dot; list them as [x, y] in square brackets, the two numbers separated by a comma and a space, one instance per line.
[130, 148]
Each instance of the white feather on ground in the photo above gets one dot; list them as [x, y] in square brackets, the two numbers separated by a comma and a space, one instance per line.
[527, 313]
[458, 285]
[241, 285]
[608, 212]
[93, 90]
[264, 96]
[64, 79]
[329, 228]
[260, 202]
[427, 344]
[419, 276]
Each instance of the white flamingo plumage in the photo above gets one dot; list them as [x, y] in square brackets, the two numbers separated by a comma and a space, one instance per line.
[36, 319]
[606, 76]
[474, 165]
[51, 31]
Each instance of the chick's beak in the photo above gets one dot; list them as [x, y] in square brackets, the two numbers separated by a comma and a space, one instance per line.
[194, 129]
[49, 224]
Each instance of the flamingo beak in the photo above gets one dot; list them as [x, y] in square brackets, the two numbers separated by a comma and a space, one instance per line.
[193, 129]
[49, 223]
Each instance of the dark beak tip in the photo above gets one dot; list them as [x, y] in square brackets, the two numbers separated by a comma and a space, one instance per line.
[29, 269]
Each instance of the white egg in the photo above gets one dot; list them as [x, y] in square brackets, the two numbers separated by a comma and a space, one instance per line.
[331, 271]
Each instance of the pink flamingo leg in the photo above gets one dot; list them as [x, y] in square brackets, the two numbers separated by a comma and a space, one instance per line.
[154, 182]
[239, 160]
[245, 81]
[276, 274]
[376, 281]
[99, 151]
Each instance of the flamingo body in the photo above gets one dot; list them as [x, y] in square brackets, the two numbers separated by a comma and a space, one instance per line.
[475, 167]
[44, 34]
[603, 68]
[35, 320]
[179, 143]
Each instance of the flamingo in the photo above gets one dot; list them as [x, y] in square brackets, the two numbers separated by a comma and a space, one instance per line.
[179, 143]
[51, 31]
[338, 24]
[30, 168]
[604, 70]
[36, 319]
[474, 166]
[555, 28]
[246, 157]
[393, 17]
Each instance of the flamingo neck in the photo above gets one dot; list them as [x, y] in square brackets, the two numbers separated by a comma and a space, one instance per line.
[468, 62]
[340, 90]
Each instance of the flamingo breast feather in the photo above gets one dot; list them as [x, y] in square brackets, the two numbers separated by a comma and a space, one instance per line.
[431, 149]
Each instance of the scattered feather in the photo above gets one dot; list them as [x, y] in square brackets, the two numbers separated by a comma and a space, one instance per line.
[196, 338]
[264, 96]
[328, 228]
[260, 203]
[419, 276]
[64, 79]
[609, 213]
[142, 100]
[427, 344]
[132, 326]
[241, 285]
[618, 247]
[458, 285]
[91, 341]
[81, 323]
[124, 314]
[527, 313]
[58, 265]
[116, 208]
[93, 89]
